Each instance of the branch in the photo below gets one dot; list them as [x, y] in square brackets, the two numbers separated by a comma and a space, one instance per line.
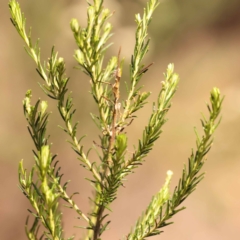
[157, 215]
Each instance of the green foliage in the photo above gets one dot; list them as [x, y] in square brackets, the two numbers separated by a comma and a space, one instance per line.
[43, 187]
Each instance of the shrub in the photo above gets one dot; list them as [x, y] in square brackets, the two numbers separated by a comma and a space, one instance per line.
[42, 185]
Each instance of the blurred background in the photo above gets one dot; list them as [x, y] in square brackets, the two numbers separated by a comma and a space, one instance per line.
[202, 39]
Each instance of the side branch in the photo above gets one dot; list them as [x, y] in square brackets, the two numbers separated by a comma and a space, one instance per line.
[55, 79]
[157, 217]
